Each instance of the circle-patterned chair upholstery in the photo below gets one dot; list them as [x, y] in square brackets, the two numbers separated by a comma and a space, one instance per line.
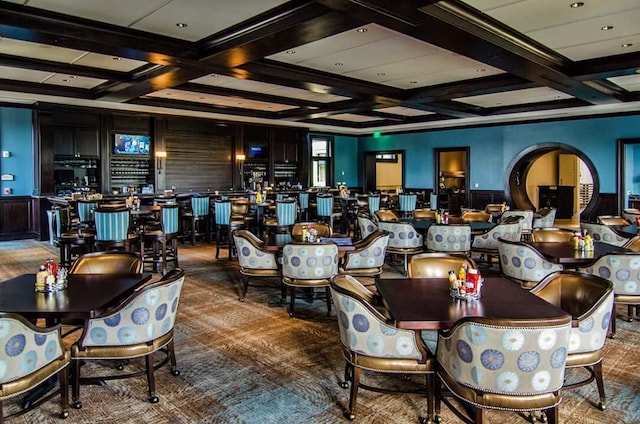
[366, 226]
[367, 259]
[403, 240]
[487, 244]
[524, 264]
[254, 261]
[604, 233]
[450, 238]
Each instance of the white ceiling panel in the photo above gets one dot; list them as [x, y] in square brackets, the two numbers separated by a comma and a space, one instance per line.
[213, 99]
[515, 97]
[404, 111]
[20, 74]
[351, 117]
[74, 81]
[628, 82]
[602, 48]
[39, 51]
[96, 60]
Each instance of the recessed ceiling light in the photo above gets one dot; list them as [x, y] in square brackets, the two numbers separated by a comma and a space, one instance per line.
[65, 80]
[73, 76]
[381, 74]
[362, 30]
[413, 82]
[481, 70]
[339, 64]
[181, 25]
[115, 58]
[291, 52]
[577, 4]
[626, 45]
[606, 27]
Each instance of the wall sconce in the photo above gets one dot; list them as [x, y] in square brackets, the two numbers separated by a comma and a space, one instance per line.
[240, 163]
[160, 155]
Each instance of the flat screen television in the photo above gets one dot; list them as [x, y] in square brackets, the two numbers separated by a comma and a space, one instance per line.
[257, 151]
[131, 144]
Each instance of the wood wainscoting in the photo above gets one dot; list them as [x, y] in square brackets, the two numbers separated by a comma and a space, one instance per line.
[17, 217]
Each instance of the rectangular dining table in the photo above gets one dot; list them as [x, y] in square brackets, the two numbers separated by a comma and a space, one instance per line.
[425, 303]
[564, 253]
[86, 296]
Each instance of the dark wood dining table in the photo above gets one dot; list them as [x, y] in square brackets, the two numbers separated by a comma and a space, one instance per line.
[275, 242]
[564, 253]
[86, 296]
[425, 303]
[422, 225]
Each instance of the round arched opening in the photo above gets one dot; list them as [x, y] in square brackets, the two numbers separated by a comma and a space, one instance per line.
[525, 168]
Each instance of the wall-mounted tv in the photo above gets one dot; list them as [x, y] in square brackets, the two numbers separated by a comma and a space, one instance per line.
[131, 144]
[257, 151]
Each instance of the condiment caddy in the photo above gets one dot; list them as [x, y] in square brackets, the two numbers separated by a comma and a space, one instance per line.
[51, 278]
[466, 285]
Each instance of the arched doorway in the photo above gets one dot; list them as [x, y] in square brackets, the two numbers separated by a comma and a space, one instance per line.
[520, 167]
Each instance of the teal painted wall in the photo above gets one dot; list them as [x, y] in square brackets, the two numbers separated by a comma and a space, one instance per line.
[493, 148]
[345, 163]
[16, 137]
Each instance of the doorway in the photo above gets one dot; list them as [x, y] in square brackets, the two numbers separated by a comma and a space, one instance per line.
[542, 171]
[383, 171]
[628, 183]
[451, 182]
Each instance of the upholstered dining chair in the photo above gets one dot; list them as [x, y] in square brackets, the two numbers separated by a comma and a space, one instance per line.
[508, 365]
[322, 228]
[589, 299]
[438, 265]
[140, 326]
[308, 266]
[403, 240]
[476, 216]
[160, 242]
[552, 235]
[254, 260]
[241, 211]
[631, 215]
[526, 222]
[485, 246]
[452, 238]
[113, 229]
[366, 226]
[386, 215]
[325, 209]
[613, 220]
[621, 269]
[371, 342]
[426, 214]
[110, 262]
[523, 264]
[545, 219]
[495, 209]
[282, 222]
[604, 233]
[367, 259]
[29, 357]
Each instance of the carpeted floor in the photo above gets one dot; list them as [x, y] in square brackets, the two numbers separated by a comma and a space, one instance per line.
[248, 362]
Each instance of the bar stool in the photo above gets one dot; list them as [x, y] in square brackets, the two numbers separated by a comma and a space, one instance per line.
[160, 245]
[407, 204]
[325, 209]
[84, 209]
[225, 226]
[285, 217]
[112, 230]
[196, 218]
[374, 204]
[72, 242]
[303, 206]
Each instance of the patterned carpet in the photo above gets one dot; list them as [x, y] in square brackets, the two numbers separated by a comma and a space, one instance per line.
[250, 363]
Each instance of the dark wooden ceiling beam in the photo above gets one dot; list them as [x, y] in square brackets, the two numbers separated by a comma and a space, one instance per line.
[607, 67]
[202, 107]
[346, 106]
[468, 88]
[44, 89]
[531, 107]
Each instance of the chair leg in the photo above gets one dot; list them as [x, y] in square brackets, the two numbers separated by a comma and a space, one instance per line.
[629, 313]
[244, 288]
[479, 415]
[355, 383]
[172, 359]
[613, 322]
[597, 370]
[552, 415]
[63, 376]
[75, 388]
[151, 379]
[328, 300]
[431, 388]
[292, 301]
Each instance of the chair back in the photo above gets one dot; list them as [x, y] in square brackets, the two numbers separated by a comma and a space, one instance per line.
[546, 218]
[603, 233]
[438, 265]
[385, 215]
[169, 217]
[223, 212]
[552, 235]
[366, 226]
[425, 214]
[309, 261]
[449, 238]
[433, 201]
[165, 200]
[85, 209]
[200, 206]
[506, 357]
[613, 220]
[286, 211]
[26, 348]
[324, 205]
[476, 216]
[526, 222]
[588, 299]
[524, 263]
[369, 252]
[111, 225]
[322, 228]
[490, 239]
[373, 203]
[619, 268]
[280, 196]
[401, 235]
[631, 215]
[239, 207]
[364, 330]
[108, 263]
[250, 252]
[303, 200]
[149, 313]
[407, 202]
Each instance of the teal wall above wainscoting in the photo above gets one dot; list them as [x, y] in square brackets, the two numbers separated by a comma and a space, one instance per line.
[16, 137]
[493, 148]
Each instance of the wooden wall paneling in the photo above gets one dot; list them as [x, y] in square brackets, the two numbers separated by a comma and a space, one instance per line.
[480, 198]
[44, 152]
[15, 218]
[606, 204]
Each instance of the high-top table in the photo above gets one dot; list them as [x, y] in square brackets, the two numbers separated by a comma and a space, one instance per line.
[564, 253]
[425, 303]
[86, 297]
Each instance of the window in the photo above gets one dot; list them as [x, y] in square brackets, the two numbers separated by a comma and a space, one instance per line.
[321, 161]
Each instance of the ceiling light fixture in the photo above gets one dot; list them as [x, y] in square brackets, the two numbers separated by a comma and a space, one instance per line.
[362, 30]
[115, 58]
[291, 52]
[73, 76]
[606, 27]
[381, 74]
[577, 4]
[181, 25]
[481, 70]
[413, 82]
[625, 45]
[339, 64]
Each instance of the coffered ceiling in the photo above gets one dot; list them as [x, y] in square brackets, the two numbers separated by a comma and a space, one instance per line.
[348, 66]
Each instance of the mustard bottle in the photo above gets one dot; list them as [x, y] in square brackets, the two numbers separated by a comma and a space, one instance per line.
[462, 273]
[41, 278]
